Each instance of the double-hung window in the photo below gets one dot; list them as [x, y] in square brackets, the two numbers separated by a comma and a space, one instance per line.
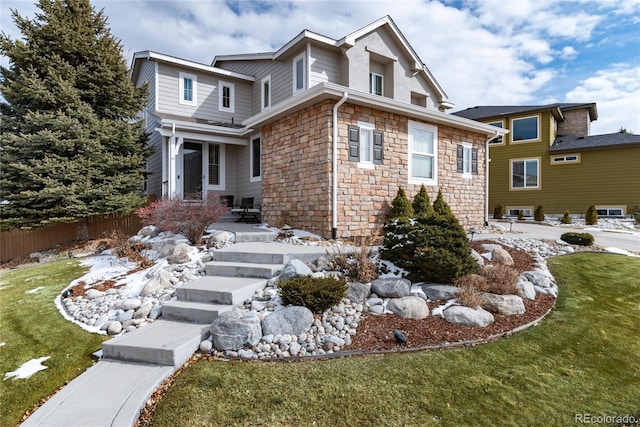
[188, 88]
[226, 97]
[423, 154]
[365, 145]
[375, 84]
[525, 129]
[467, 159]
[525, 174]
[299, 73]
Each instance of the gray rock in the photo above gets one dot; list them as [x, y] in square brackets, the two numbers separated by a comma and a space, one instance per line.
[205, 346]
[235, 329]
[294, 348]
[150, 231]
[161, 280]
[155, 312]
[93, 294]
[490, 246]
[131, 304]
[435, 292]
[101, 320]
[143, 311]
[409, 307]
[526, 289]
[539, 278]
[220, 237]
[114, 328]
[178, 259]
[358, 292]
[124, 316]
[508, 305]
[501, 256]
[294, 268]
[376, 309]
[477, 257]
[334, 340]
[374, 301]
[468, 316]
[391, 288]
[293, 320]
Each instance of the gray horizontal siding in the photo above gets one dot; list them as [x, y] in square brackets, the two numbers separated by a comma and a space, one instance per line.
[325, 66]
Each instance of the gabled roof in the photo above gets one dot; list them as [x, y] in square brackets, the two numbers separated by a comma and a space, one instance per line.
[499, 111]
[154, 56]
[594, 142]
[346, 42]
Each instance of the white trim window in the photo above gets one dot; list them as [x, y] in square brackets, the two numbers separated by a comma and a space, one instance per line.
[525, 174]
[215, 167]
[525, 129]
[188, 88]
[514, 211]
[265, 92]
[299, 73]
[226, 97]
[255, 146]
[565, 158]
[423, 154]
[498, 140]
[466, 160]
[376, 84]
[610, 210]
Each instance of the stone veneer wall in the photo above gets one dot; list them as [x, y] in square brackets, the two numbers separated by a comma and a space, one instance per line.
[297, 172]
[576, 123]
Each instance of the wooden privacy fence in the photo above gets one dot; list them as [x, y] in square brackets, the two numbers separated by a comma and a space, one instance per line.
[16, 244]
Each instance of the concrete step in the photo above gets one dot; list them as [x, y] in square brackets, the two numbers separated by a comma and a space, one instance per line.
[220, 290]
[255, 236]
[251, 257]
[163, 342]
[194, 312]
[242, 269]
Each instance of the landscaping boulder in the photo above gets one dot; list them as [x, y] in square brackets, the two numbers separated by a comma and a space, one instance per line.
[391, 288]
[358, 292]
[180, 254]
[435, 292]
[236, 329]
[459, 314]
[526, 289]
[294, 268]
[219, 237]
[409, 307]
[539, 278]
[293, 320]
[508, 305]
[501, 256]
[161, 280]
[150, 231]
[475, 255]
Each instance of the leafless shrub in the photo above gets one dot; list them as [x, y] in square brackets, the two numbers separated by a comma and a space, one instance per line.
[501, 279]
[123, 248]
[358, 266]
[469, 296]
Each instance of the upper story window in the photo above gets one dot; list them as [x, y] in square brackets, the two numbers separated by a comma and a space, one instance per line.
[365, 145]
[423, 154]
[376, 84]
[226, 97]
[188, 88]
[256, 148]
[526, 129]
[497, 140]
[467, 160]
[265, 93]
[565, 158]
[525, 174]
[299, 73]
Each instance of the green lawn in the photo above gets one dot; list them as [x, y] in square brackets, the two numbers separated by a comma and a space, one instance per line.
[584, 358]
[32, 327]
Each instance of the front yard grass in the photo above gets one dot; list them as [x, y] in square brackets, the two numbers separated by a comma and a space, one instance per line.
[32, 327]
[583, 358]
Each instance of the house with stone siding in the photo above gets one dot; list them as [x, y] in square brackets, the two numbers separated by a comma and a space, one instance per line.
[550, 159]
[320, 133]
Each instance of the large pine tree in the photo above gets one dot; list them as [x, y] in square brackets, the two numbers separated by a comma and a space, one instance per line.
[73, 143]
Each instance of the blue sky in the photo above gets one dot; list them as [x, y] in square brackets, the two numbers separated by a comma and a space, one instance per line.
[482, 52]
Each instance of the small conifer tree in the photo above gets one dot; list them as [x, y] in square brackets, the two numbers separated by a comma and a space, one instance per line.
[421, 203]
[591, 217]
[498, 211]
[441, 207]
[520, 214]
[538, 215]
[400, 206]
[566, 218]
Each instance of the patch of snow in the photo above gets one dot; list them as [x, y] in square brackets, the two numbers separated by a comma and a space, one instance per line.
[27, 369]
[33, 291]
[439, 310]
[2, 344]
[620, 251]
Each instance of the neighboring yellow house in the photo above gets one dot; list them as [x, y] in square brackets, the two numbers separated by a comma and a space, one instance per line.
[549, 158]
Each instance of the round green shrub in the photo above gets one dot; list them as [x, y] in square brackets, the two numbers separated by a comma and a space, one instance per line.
[316, 293]
[591, 217]
[538, 215]
[566, 218]
[582, 239]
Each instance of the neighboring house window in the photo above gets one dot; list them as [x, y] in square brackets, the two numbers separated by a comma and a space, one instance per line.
[214, 164]
[610, 211]
[525, 129]
[299, 73]
[266, 92]
[525, 174]
[497, 140]
[515, 211]
[467, 159]
[423, 149]
[567, 158]
[365, 145]
[188, 88]
[256, 148]
[226, 97]
[375, 84]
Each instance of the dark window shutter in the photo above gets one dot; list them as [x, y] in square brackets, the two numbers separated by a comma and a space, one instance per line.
[377, 147]
[474, 161]
[459, 159]
[354, 143]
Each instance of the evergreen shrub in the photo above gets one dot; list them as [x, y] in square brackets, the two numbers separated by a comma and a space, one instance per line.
[566, 218]
[581, 239]
[521, 215]
[316, 293]
[421, 203]
[591, 217]
[400, 206]
[498, 211]
[538, 215]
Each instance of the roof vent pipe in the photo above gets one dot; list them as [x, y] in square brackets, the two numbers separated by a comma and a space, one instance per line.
[334, 189]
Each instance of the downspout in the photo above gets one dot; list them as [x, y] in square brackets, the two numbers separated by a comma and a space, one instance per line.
[486, 178]
[334, 195]
[170, 180]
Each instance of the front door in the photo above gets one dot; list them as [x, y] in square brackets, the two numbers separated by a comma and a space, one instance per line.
[192, 170]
